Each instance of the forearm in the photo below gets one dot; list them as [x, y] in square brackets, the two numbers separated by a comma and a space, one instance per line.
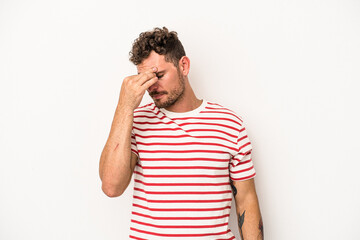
[249, 219]
[114, 167]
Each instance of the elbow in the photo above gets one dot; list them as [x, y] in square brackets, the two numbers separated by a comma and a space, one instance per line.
[111, 191]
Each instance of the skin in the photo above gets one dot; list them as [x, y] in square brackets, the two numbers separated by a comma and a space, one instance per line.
[134, 87]
[173, 83]
[247, 210]
[115, 169]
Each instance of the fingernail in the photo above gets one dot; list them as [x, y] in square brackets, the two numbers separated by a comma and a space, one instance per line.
[154, 68]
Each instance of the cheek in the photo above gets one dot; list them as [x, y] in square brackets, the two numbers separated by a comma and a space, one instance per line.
[169, 79]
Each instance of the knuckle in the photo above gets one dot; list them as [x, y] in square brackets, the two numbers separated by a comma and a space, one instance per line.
[129, 79]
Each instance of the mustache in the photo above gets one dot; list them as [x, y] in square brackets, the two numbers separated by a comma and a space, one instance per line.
[155, 93]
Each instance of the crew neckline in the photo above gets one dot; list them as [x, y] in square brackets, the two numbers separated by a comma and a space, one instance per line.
[185, 114]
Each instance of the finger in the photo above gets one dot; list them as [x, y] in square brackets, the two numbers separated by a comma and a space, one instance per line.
[147, 75]
[148, 83]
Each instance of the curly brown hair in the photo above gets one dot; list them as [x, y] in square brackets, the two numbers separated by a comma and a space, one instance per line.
[162, 42]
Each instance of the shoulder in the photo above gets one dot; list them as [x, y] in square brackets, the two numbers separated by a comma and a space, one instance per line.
[225, 111]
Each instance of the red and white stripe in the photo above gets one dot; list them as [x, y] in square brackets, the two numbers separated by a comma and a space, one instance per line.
[181, 180]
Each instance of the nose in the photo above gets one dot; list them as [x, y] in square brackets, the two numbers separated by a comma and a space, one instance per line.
[153, 88]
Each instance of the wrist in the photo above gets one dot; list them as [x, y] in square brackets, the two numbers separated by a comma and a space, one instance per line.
[125, 109]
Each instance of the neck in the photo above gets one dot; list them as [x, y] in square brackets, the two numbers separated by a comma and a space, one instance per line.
[187, 102]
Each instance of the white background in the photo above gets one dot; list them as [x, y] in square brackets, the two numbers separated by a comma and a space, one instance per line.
[289, 68]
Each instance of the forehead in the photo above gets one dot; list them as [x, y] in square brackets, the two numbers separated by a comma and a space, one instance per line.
[153, 60]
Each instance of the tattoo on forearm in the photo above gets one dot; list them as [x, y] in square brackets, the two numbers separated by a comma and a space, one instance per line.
[241, 222]
[261, 228]
[241, 218]
[233, 187]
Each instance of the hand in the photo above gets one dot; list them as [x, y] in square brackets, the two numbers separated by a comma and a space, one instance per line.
[133, 88]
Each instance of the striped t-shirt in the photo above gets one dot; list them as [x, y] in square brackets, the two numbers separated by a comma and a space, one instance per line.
[185, 162]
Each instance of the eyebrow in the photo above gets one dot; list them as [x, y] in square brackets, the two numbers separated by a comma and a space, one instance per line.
[159, 72]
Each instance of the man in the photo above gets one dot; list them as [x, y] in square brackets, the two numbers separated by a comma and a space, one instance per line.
[188, 155]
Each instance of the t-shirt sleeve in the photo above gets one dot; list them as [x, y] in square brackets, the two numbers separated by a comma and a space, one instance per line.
[133, 143]
[241, 166]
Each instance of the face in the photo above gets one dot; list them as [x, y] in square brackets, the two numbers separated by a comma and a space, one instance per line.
[171, 83]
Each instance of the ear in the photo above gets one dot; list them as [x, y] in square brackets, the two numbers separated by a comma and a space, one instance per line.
[184, 64]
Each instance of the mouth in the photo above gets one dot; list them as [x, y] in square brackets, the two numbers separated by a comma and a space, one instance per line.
[158, 96]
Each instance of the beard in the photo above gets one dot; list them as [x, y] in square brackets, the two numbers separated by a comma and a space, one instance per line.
[174, 95]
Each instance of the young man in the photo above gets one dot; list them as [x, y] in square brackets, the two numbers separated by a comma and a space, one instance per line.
[188, 155]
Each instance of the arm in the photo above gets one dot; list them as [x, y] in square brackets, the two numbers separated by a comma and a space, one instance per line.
[117, 162]
[247, 210]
